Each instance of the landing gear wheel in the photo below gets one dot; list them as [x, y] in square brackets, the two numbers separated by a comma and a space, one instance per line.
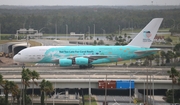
[23, 66]
[82, 66]
[85, 67]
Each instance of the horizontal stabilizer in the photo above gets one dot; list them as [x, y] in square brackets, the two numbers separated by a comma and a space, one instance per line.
[147, 51]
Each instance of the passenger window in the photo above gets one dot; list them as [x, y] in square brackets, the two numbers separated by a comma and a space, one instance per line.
[19, 53]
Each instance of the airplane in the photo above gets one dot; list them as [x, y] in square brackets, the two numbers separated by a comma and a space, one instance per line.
[86, 56]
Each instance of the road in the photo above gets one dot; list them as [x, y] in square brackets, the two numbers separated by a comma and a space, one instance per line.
[97, 72]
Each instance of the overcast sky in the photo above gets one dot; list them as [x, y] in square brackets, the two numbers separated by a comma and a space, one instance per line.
[88, 2]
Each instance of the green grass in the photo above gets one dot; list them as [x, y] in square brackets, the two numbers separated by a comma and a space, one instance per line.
[6, 41]
[34, 43]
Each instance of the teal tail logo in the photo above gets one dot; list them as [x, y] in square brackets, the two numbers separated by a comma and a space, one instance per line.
[147, 35]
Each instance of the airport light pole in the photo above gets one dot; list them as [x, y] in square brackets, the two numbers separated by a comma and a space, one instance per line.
[153, 89]
[173, 26]
[147, 84]
[178, 26]
[106, 91]
[41, 29]
[144, 90]
[0, 31]
[54, 90]
[103, 32]
[66, 31]
[56, 30]
[130, 90]
[119, 29]
[88, 30]
[171, 45]
[94, 32]
[89, 89]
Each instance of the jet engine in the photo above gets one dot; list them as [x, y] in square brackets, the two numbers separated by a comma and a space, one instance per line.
[82, 61]
[77, 61]
[65, 62]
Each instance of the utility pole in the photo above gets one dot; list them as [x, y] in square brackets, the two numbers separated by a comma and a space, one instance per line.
[0, 31]
[106, 91]
[56, 30]
[66, 31]
[89, 89]
[94, 31]
[119, 29]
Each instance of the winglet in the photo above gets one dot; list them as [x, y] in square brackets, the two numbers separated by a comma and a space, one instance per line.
[146, 36]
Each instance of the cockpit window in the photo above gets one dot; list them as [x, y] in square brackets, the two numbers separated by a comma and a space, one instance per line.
[19, 53]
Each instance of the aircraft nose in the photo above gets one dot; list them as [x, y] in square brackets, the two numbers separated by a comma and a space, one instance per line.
[16, 58]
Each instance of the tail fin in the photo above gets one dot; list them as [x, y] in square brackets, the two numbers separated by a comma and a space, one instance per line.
[146, 36]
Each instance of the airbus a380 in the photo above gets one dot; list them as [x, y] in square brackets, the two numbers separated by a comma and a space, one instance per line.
[86, 56]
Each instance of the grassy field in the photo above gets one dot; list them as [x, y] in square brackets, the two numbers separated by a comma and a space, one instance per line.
[6, 41]
[128, 32]
[33, 43]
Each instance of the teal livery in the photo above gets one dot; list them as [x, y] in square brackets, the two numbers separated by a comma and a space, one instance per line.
[86, 56]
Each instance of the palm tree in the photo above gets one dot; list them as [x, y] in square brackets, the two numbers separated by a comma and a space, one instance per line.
[125, 35]
[9, 87]
[169, 56]
[150, 58]
[34, 75]
[1, 79]
[129, 38]
[14, 89]
[42, 86]
[6, 90]
[173, 74]
[46, 87]
[26, 76]
[163, 54]
[157, 59]
[49, 88]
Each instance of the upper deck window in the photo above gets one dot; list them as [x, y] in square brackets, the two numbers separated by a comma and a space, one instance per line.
[19, 53]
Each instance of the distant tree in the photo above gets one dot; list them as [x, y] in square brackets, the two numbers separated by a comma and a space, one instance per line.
[129, 37]
[168, 39]
[150, 58]
[95, 42]
[101, 42]
[157, 59]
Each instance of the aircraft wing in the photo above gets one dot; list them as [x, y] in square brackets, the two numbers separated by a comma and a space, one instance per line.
[147, 51]
[91, 57]
[95, 57]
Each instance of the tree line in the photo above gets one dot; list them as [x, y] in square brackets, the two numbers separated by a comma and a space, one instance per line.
[84, 19]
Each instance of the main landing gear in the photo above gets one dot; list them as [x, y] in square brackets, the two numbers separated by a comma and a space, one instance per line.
[86, 66]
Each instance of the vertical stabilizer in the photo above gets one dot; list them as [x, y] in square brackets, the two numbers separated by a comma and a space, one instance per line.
[146, 36]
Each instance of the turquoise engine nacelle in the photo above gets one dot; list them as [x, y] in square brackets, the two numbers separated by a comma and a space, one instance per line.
[65, 62]
[81, 61]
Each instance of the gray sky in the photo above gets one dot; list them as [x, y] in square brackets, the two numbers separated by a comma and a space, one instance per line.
[89, 2]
